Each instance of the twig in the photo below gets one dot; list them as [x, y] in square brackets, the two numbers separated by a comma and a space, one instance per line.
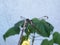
[33, 39]
[19, 43]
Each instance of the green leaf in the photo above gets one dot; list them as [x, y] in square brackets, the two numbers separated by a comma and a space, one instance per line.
[46, 42]
[48, 27]
[40, 26]
[44, 27]
[11, 31]
[56, 37]
[29, 29]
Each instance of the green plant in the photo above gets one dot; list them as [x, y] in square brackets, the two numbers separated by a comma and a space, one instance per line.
[55, 39]
[35, 25]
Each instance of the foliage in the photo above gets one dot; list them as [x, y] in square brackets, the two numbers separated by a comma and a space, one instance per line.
[41, 27]
[46, 42]
[11, 31]
[56, 37]
[44, 28]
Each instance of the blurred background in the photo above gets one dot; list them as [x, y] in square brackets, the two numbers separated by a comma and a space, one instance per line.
[11, 10]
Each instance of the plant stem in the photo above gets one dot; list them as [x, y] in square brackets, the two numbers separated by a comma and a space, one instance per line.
[20, 39]
[33, 39]
[19, 43]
